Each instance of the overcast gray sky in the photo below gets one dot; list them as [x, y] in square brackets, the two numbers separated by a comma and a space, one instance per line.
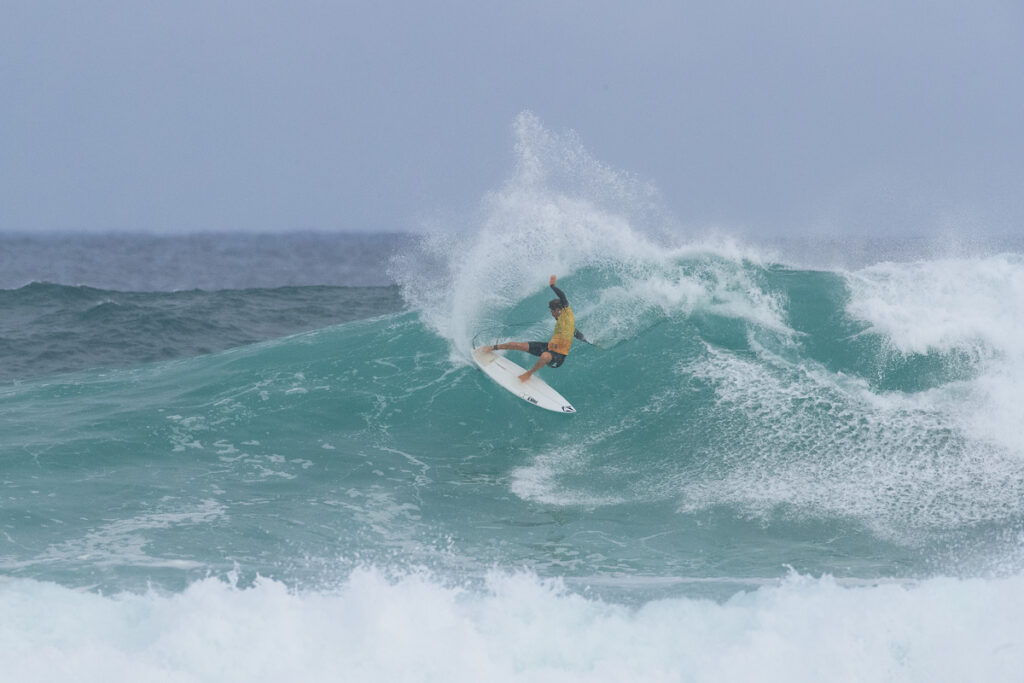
[806, 116]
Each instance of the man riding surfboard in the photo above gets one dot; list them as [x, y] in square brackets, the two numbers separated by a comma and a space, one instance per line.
[554, 352]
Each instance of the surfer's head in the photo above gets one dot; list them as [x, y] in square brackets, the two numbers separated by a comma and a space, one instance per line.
[556, 307]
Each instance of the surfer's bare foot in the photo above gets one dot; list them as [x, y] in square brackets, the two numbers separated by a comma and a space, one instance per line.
[525, 376]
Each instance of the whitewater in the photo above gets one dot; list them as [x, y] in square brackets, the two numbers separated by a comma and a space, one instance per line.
[276, 461]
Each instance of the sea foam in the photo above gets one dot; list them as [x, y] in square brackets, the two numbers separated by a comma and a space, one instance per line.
[515, 628]
[968, 309]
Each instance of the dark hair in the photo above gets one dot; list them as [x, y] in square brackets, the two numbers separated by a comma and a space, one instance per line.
[555, 304]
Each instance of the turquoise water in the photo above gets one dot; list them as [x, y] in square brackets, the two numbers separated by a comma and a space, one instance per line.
[776, 440]
[709, 444]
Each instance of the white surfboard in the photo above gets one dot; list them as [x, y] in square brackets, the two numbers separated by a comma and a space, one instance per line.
[534, 390]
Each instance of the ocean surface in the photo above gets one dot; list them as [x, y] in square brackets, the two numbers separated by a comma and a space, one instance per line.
[214, 471]
[270, 458]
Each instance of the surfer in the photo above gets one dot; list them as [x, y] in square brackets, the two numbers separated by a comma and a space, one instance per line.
[551, 353]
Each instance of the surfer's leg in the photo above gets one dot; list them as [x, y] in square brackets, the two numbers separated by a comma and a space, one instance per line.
[512, 346]
[545, 358]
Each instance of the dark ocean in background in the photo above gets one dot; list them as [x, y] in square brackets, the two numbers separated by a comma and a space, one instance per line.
[71, 302]
[211, 262]
[269, 458]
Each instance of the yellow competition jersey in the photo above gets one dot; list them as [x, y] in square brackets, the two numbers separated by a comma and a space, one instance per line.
[565, 327]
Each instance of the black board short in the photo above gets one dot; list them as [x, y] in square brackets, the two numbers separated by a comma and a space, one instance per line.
[537, 348]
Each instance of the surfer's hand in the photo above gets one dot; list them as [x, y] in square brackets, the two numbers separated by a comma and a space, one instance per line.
[552, 280]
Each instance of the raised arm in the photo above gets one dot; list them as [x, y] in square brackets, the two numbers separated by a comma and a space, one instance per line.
[559, 293]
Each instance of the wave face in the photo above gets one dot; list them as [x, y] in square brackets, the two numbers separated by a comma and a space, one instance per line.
[729, 399]
[745, 424]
